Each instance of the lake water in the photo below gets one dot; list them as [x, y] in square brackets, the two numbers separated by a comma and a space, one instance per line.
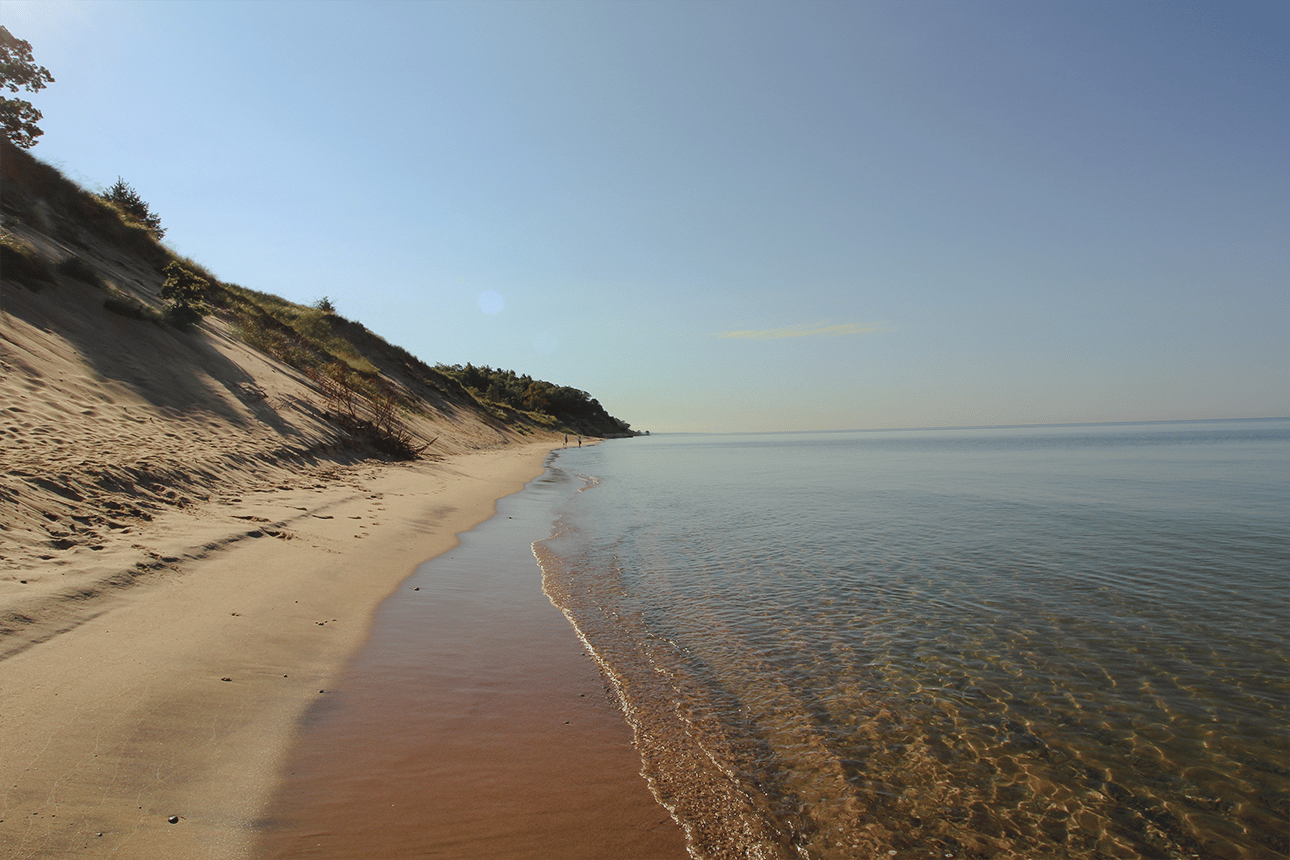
[1064, 641]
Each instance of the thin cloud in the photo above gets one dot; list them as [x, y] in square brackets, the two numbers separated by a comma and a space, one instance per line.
[803, 330]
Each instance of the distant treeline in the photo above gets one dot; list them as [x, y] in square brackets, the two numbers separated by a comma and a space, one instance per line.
[572, 406]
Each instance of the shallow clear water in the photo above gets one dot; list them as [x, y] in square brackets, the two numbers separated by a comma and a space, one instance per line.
[1021, 642]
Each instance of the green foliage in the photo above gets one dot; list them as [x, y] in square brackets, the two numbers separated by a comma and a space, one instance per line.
[319, 326]
[18, 70]
[261, 332]
[306, 338]
[132, 207]
[21, 264]
[185, 294]
[575, 408]
[41, 197]
[325, 305]
[128, 306]
[77, 267]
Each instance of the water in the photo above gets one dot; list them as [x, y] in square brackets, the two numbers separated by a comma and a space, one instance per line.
[1062, 642]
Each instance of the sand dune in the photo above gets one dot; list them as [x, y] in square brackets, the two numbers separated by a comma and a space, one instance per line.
[112, 426]
[189, 550]
[194, 540]
[177, 511]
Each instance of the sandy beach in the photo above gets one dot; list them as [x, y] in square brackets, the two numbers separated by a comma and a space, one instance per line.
[180, 697]
[471, 724]
[191, 551]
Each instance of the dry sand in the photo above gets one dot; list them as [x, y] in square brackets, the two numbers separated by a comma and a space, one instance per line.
[179, 698]
[187, 560]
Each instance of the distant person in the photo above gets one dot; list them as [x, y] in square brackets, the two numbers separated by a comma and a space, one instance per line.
[566, 440]
[579, 441]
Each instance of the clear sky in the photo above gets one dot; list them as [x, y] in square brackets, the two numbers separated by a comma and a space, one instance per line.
[729, 216]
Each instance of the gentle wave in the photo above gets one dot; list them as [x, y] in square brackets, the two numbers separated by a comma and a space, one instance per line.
[1060, 642]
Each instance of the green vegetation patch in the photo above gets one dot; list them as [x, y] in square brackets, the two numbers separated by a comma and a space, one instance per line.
[304, 337]
[128, 306]
[561, 405]
[23, 265]
[77, 267]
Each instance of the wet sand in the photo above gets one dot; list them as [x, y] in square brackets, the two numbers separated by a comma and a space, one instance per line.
[471, 724]
[191, 549]
[177, 697]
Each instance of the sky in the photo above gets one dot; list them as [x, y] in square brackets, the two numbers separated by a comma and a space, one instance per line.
[713, 216]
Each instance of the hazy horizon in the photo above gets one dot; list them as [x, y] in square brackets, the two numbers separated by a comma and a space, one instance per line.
[969, 427]
[716, 217]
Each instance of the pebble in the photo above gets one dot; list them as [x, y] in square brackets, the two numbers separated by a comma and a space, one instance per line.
[174, 819]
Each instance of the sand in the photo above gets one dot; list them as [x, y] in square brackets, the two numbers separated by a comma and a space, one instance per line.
[471, 724]
[189, 556]
[128, 719]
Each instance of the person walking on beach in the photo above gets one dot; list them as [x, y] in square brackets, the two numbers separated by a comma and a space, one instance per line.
[566, 440]
[579, 441]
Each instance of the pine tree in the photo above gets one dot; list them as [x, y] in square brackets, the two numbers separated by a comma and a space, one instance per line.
[127, 200]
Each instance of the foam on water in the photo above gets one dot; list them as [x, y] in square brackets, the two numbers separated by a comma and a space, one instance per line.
[1025, 642]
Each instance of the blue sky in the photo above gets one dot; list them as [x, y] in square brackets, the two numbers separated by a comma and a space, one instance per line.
[729, 216]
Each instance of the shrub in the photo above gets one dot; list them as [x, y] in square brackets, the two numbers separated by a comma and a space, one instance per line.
[571, 407]
[185, 294]
[372, 414]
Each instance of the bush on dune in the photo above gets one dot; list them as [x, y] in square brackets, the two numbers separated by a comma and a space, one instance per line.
[185, 293]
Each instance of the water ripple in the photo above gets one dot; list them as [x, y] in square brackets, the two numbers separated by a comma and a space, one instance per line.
[1064, 642]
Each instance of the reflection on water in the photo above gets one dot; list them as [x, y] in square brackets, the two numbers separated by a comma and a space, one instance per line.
[1044, 642]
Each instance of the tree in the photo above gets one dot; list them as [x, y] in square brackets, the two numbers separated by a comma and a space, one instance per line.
[19, 71]
[186, 292]
[128, 201]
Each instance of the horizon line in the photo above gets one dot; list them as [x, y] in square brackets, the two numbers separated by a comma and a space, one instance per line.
[962, 426]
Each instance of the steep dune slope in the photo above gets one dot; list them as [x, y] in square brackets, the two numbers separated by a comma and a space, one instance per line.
[109, 421]
[194, 532]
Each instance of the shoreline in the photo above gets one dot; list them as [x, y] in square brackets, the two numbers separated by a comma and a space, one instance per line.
[472, 723]
[180, 697]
